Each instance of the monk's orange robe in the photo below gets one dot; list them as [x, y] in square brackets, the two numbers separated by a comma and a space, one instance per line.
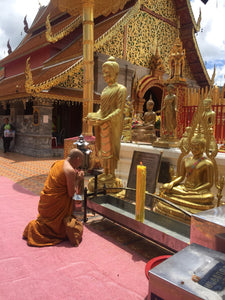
[54, 205]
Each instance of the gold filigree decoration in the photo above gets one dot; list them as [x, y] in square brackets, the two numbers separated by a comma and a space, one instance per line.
[29, 84]
[75, 80]
[114, 46]
[166, 9]
[32, 88]
[53, 38]
[117, 27]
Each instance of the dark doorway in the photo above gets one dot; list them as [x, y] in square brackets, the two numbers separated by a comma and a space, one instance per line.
[67, 119]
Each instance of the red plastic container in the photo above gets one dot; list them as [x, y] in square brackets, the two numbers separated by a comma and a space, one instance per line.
[154, 262]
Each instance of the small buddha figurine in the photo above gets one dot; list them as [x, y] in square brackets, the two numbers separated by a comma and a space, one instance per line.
[183, 143]
[127, 121]
[145, 132]
[209, 115]
[149, 116]
[191, 189]
[108, 124]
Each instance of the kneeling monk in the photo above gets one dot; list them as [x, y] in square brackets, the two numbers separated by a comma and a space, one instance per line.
[55, 204]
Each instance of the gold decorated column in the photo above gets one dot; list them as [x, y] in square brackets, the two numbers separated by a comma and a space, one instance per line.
[88, 48]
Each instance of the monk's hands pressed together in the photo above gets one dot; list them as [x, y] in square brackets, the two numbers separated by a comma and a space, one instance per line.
[79, 175]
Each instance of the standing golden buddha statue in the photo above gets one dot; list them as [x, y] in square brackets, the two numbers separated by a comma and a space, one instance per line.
[170, 108]
[108, 125]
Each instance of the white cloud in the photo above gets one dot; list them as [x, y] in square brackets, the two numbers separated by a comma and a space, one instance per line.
[11, 21]
[211, 38]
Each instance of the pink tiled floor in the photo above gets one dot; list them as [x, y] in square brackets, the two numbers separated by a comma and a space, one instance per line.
[29, 172]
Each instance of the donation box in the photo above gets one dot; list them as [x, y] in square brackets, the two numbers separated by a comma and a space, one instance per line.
[196, 272]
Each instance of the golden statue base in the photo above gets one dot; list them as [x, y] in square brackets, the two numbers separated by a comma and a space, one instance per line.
[105, 181]
[169, 211]
[166, 142]
[143, 135]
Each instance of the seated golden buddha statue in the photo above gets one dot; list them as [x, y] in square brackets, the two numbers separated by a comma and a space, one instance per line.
[191, 189]
[145, 132]
[108, 123]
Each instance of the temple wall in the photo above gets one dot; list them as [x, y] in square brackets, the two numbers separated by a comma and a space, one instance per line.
[30, 139]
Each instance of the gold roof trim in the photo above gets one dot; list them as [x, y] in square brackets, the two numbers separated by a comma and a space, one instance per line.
[34, 89]
[63, 98]
[197, 25]
[53, 38]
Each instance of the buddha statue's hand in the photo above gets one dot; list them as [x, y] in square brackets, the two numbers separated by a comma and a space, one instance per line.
[94, 120]
[167, 186]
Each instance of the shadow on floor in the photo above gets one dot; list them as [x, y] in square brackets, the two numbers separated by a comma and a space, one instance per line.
[33, 184]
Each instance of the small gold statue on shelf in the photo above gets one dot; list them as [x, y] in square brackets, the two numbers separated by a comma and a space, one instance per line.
[169, 120]
[196, 174]
[108, 122]
[145, 132]
[127, 122]
[169, 109]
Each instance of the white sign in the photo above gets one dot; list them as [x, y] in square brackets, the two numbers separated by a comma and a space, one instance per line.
[45, 119]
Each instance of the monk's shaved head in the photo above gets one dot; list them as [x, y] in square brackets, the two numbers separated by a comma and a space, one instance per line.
[75, 158]
[74, 153]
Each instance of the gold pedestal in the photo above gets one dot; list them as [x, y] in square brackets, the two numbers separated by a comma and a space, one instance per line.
[143, 135]
[169, 211]
[164, 142]
[105, 181]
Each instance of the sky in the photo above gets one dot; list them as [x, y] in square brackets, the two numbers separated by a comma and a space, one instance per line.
[211, 38]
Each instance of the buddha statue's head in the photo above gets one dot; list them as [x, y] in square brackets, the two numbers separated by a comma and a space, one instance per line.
[187, 131]
[170, 87]
[198, 143]
[207, 102]
[110, 70]
[150, 104]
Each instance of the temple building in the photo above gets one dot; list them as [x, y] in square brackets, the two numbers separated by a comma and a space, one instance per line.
[42, 80]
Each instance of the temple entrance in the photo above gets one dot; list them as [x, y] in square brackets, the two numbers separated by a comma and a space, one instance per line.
[66, 120]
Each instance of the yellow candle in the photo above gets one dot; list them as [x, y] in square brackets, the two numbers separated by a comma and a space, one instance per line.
[140, 193]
